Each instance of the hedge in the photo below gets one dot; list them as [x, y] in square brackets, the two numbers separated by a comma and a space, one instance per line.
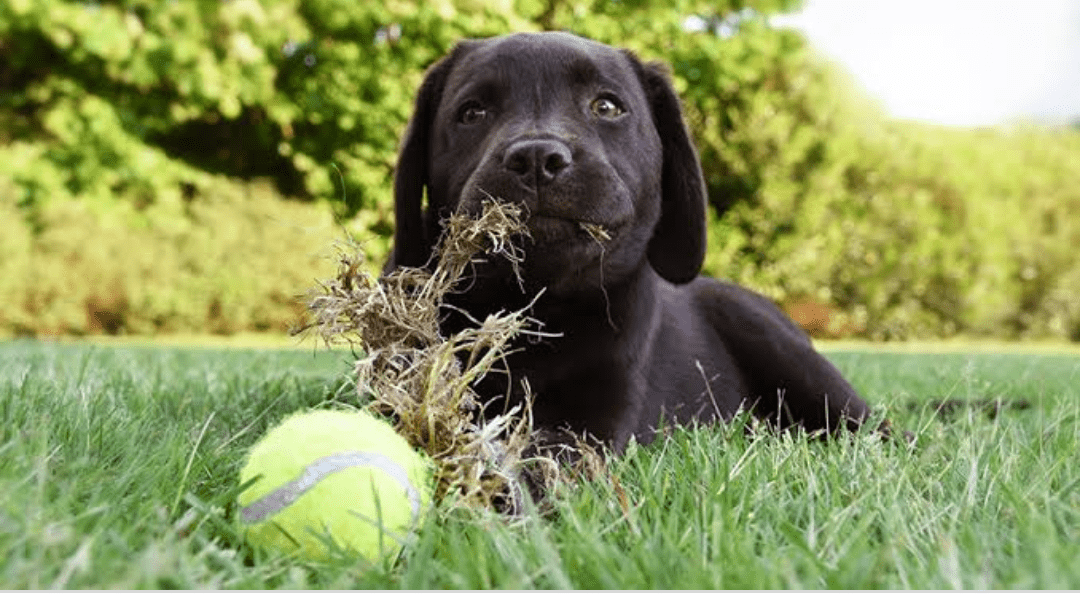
[155, 155]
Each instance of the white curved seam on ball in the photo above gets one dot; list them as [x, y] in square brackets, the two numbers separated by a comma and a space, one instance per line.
[285, 495]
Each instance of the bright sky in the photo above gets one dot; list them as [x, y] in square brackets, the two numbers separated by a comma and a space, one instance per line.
[958, 62]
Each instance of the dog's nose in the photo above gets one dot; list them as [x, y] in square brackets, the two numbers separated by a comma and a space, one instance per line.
[539, 160]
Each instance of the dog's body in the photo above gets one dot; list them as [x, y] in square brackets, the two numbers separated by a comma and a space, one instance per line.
[583, 135]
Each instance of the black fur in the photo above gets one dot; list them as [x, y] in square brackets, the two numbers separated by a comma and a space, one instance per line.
[579, 132]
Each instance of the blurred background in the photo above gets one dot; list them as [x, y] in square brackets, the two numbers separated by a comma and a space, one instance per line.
[884, 170]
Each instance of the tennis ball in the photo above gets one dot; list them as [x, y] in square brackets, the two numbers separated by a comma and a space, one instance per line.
[323, 476]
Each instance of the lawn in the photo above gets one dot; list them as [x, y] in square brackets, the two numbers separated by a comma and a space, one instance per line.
[118, 469]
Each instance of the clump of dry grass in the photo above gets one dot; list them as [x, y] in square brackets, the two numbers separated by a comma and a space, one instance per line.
[424, 380]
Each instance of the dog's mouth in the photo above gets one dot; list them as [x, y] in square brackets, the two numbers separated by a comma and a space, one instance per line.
[559, 228]
[562, 254]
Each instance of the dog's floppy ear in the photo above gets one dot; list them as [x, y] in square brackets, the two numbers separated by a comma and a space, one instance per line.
[677, 247]
[413, 239]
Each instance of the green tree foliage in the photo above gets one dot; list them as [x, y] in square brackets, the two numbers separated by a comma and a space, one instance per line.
[135, 99]
[155, 117]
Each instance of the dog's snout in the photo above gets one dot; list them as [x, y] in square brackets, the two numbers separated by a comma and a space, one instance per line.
[538, 161]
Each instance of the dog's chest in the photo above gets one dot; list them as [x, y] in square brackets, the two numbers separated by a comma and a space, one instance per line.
[574, 386]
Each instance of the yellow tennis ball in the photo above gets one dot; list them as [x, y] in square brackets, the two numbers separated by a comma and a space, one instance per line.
[323, 476]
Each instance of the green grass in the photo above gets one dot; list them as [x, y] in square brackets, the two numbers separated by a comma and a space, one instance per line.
[118, 469]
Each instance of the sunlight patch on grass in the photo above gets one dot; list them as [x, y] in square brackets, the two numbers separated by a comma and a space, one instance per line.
[953, 346]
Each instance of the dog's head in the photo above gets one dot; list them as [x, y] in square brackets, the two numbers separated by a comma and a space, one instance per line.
[578, 133]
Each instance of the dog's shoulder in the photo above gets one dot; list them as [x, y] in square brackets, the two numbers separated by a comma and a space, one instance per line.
[715, 314]
[740, 314]
[786, 377]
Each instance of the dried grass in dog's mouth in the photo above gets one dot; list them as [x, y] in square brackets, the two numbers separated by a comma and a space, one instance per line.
[597, 232]
[424, 380]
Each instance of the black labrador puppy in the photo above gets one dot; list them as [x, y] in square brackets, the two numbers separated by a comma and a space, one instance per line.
[584, 136]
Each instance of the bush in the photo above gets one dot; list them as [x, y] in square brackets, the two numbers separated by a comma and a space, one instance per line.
[237, 262]
[124, 124]
[910, 231]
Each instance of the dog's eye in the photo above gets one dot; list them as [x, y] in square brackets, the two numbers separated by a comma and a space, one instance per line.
[607, 107]
[472, 113]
